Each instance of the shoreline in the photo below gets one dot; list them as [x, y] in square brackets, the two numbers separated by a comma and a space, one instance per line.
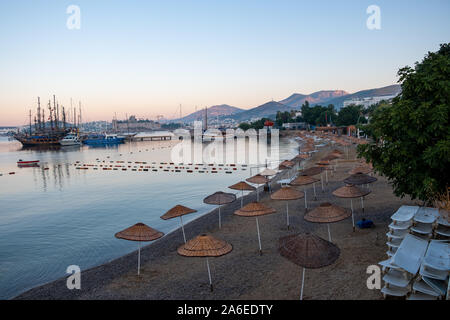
[242, 274]
[170, 235]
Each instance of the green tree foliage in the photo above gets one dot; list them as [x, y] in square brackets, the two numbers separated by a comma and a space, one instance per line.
[411, 137]
[258, 124]
[318, 115]
[350, 115]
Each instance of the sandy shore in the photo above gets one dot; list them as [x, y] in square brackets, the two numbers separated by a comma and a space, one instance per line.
[243, 273]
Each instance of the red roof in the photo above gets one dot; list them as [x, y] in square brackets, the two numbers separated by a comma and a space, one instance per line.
[268, 123]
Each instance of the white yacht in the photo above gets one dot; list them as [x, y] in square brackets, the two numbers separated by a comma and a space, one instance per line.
[70, 140]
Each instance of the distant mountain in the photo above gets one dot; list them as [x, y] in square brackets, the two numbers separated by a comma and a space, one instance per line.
[320, 97]
[213, 112]
[392, 90]
[268, 109]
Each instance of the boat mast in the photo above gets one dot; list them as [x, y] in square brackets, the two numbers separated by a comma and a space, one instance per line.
[51, 115]
[39, 114]
[80, 121]
[55, 113]
[30, 122]
[64, 116]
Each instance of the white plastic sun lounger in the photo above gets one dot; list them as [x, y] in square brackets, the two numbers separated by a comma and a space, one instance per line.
[410, 253]
[423, 228]
[397, 234]
[400, 225]
[426, 215]
[421, 296]
[394, 291]
[397, 278]
[404, 213]
[443, 231]
[438, 285]
[423, 287]
[438, 255]
[388, 264]
[426, 271]
[442, 221]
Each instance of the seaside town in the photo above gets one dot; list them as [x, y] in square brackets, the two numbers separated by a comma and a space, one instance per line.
[330, 195]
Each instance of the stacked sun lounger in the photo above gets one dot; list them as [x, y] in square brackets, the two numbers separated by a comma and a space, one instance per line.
[418, 267]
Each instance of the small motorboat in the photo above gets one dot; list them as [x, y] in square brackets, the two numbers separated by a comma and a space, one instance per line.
[34, 163]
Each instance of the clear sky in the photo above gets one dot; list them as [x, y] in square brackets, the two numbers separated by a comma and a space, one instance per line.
[147, 57]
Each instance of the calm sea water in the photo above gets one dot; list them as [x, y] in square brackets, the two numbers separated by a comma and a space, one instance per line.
[50, 219]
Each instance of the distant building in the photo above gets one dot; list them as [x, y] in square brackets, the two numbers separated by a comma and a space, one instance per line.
[367, 102]
[295, 125]
[133, 124]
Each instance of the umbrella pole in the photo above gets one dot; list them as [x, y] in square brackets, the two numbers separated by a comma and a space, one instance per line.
[209, 275]
[220, 220]
[321, 181]
[182, 228]
[326, 175]
[259, 237]
[362, 204]
[242, 198]
[139, 257]
[329, 233]
[306, 204]
[257, 193]
[303, 283]
[315, 196]
[287, 213]
[353, 218]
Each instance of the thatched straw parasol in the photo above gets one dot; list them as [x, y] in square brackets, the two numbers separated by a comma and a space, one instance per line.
[286, 164]
[350, 191]
[255, 209]
[267, 172]
[242, 186]
[220, 198]
[304, 181]
[361, 169]
[308, 251]
[314, 171]
[257, 179]
[178, 211]
[327, 213]
[205, 246]
[286, 194]
[360, 179]
[139, 232]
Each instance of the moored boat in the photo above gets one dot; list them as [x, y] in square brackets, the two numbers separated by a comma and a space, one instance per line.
[103, 139]
[34, 163]
[71, 139]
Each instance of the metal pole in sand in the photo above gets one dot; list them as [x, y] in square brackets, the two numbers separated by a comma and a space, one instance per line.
[220, 219]
[287, 213]
[315, 196]
[303, 283]
[182, 228]
[209, 274]
[321, 181]
[329, 233]
[306, 204]
[242, 199]
[139, 257]
[259, 237]
[353, 218]
[326, 175]
[362, 204]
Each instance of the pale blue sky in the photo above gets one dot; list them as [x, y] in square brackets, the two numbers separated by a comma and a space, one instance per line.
[147, 57]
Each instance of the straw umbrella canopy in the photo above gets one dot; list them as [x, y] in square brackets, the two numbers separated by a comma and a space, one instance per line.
[350, 191]
[313, 171]
[255, 209]
[242, 185]
[219, 198]
[205, 246]
[287, 194]
[286, 164]
[178, 211]
[257, 179]
[139, 232]
[361, 169]
[327, 213]
[304, 181]
[360, 178]
[308, 251]
[268, 172]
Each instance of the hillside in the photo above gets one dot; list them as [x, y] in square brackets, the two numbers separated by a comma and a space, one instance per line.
[320, 97]
[214, 111]
[384, 91]
[268, 109]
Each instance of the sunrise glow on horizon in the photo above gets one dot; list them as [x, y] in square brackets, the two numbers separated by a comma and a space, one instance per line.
[147, 58]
